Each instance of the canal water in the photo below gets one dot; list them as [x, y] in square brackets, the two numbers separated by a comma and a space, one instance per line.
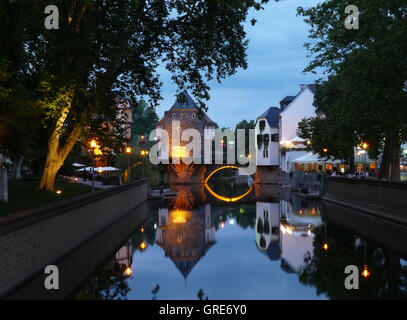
[270, 244]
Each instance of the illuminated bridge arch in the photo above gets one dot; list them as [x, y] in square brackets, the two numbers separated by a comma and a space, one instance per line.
[226, 199]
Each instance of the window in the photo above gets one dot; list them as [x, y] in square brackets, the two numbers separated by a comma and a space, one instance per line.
[174, 115]
[193, 116]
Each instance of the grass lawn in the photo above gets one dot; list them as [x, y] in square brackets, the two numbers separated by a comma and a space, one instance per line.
[22, 194]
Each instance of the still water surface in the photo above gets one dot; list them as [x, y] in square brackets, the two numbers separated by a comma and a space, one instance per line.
[270, 245]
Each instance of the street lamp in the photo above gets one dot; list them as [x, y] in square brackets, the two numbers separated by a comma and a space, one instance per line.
[143, 153]
[365, 146]
[93, 146]
[128, 151]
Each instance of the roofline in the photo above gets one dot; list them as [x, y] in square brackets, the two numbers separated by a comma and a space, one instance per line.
[288, 105]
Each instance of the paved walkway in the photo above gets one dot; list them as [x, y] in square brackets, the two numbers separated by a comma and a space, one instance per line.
[98, 184]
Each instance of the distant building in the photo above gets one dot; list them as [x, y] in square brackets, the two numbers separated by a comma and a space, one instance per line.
[267, 138]
[187, 113]
[293, 110]
[126, 110]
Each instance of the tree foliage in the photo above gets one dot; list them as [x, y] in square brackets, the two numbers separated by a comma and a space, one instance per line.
[365, 94]
[107, 47]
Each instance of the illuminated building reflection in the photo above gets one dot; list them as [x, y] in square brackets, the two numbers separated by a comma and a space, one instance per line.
[185, 231]
[284, 230]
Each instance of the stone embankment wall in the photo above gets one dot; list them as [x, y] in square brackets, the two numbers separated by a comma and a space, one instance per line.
[32, 239]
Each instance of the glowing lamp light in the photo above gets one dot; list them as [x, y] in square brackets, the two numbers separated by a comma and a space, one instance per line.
[325, 150]
[142, 152]
[143, 245]
[93, 144]
[232, 221]
[58, 192]
[365, 145]
[325, 246]
[76, 179]
[155, 226]
[222, 225]
[365, 272]
[142, 229]
[128, 150]
[128, 271]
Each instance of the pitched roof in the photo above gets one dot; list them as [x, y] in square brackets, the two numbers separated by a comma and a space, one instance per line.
[288, 99]
[271, 114]
[188, 103]
[185, 102]
[312, 87]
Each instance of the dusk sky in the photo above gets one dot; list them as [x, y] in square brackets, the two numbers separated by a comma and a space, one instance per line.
[276, 59]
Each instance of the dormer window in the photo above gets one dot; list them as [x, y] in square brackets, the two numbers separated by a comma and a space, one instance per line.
[193, 116]
[262, 124]
[174, 115]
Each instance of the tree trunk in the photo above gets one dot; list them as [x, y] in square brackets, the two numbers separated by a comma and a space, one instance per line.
[16, 170]
[385, 163]
[390, 164]
[52, 165]
[57, 153]
[395, 163]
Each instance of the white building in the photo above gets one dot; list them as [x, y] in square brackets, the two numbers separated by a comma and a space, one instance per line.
[267, 138]
[293, 110]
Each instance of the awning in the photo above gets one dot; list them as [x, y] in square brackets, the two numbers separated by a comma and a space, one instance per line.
[78, 165]
[313, 158]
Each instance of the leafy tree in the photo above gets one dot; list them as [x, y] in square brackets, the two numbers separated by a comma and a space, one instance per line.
[104, 48]
[144, 120]
[368, 68]
[246, 125]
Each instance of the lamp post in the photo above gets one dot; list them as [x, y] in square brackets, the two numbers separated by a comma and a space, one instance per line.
[92, 148]
[128, 151]
[365, 146]
[143, 153]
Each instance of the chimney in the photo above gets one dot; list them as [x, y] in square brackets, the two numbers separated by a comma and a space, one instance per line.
[302, 87]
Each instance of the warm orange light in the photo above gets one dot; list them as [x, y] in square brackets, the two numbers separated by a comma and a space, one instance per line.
[128, 271]
[325, 150]
[222, 225]
[93, 144]
[365, 145]
[59, 191]
[128, 150]
[325, 246]
[142, 229]
[180, 152]
[365, 272]
[142, 152]
[226, 199]
[308, 142]
[142, 137]
[76, 179]
[143, 245]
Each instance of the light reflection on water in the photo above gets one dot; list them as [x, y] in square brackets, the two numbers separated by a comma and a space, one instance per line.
[269, 248]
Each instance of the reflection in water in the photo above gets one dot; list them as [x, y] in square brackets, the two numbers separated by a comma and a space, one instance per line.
[249, 181]
[290, 232]
[111, 282]
[185, 235]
